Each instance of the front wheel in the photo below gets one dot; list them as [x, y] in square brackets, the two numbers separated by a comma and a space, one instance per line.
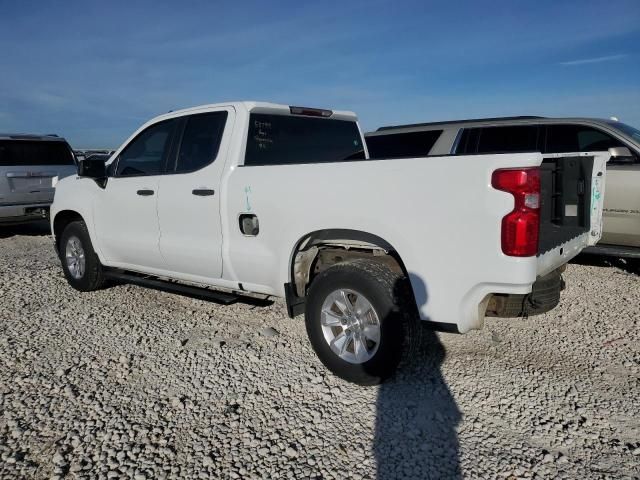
[80, 264]
[360, 320]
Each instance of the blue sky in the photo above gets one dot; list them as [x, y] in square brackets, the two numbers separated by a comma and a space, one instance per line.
[94, 71]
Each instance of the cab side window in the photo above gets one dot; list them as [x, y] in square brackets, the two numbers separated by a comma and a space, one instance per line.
[146, 154]
[200, 141]
[578, 138]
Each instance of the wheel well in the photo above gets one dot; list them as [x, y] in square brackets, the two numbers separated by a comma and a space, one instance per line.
[61, 220]
[322, 249]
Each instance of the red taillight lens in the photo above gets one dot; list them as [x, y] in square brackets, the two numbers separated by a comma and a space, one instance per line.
[521, 226]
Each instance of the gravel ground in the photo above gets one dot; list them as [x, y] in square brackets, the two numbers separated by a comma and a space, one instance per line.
[134, 383]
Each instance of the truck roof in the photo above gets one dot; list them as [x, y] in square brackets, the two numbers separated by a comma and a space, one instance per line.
[253, 106]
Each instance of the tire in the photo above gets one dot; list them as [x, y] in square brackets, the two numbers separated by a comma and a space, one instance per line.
[91, 276]
[363, 361]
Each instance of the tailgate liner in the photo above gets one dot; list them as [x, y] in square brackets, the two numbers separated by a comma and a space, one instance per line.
[565, 200]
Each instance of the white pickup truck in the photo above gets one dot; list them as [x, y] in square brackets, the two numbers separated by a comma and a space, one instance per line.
[249, 197]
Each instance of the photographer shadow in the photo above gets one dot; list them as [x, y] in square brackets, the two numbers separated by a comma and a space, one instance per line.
[417, 417]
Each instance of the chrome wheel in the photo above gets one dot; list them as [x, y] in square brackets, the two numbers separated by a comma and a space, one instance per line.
[350, 326]
[74, 255]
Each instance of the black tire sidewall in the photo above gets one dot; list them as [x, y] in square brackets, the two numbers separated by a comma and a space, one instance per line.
[93, 269]
[389, 353]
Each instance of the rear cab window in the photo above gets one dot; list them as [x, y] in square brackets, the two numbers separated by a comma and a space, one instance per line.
[289, 139]
[402, 145]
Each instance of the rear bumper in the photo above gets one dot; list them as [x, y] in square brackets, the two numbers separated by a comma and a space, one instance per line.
[544, 296]
[23, 213]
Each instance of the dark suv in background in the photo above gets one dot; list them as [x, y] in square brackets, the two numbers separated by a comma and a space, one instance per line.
[30, 166]
[621, 235]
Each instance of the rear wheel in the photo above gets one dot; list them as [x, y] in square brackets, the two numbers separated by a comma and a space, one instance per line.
[80, 264]
[359, 320]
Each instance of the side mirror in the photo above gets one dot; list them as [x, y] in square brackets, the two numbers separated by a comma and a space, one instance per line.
[621, 155]
[92, 168]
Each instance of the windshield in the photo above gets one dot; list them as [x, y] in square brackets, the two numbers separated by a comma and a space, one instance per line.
[628, 130]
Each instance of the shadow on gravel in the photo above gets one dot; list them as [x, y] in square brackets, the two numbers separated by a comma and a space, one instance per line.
[416, 414]
[38, 228]
[416, 420]
[627, 264]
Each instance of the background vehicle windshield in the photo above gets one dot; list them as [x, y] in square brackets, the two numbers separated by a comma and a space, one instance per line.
[626, 129]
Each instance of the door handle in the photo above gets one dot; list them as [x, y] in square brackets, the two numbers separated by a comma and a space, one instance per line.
[203, 192]
[145, 193]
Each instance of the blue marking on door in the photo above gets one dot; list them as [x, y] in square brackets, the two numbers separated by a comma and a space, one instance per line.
[247, 191]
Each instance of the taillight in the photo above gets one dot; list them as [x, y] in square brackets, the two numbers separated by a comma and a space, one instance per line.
[520, 227]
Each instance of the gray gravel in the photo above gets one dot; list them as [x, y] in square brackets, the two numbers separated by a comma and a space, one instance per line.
[134, 383]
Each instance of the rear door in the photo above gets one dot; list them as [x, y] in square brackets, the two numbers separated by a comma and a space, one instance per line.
[189, 195]
[29, 168]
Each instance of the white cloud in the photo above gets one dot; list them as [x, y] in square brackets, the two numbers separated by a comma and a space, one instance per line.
[608, 58]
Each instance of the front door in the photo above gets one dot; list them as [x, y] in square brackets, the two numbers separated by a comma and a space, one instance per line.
[189, 196]
[125, 212]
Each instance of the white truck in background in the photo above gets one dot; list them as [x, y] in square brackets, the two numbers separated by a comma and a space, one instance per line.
[283, 201]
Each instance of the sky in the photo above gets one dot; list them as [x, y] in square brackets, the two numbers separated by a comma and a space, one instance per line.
[94, 71]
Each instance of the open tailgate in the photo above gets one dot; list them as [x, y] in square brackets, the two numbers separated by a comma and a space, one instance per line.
[571, 204]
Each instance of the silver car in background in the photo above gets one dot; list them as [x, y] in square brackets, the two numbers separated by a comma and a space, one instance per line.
[30, 166]
[621, 216]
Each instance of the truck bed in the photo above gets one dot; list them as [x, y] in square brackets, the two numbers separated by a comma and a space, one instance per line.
[443, 220]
